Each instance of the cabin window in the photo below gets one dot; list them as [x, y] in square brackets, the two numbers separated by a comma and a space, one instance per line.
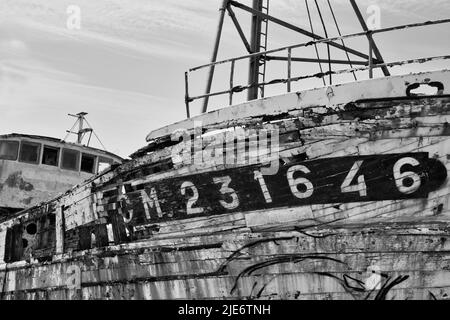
[29, 152]
[50, 156]
[9, 150]
[87, 163]
[104, 163]
[70, 159]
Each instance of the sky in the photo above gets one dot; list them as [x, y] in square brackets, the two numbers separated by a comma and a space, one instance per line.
[125, 65]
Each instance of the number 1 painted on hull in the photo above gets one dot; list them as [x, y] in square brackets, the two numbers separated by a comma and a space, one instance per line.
[260, 178]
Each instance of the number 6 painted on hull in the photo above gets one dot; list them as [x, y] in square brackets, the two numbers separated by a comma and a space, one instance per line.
[400, 177]
[294, 183]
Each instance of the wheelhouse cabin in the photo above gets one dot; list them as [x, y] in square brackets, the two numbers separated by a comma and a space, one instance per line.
[36, 168]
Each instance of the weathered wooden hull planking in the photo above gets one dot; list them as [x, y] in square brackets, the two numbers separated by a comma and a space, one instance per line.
[359, 208]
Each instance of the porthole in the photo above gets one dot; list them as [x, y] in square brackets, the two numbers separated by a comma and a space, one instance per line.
[31, 228]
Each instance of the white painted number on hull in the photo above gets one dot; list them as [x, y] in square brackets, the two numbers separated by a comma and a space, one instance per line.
[260, 178]
[191, 202]
[295, 183]
[407, 182]
[407, 176]
[360, 187]
[226, 190]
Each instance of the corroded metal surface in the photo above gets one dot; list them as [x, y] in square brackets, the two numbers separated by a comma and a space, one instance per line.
[359, 209]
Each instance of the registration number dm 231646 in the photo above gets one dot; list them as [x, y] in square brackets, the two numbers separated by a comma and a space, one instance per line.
[321, 181]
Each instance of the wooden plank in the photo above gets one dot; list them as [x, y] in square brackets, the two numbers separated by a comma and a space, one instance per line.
[2, 245]
[390, 87]
[118, 227]
[305, 276]
[60, 229]
[101, 235]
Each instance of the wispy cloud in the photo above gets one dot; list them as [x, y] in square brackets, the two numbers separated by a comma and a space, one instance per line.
[125, 66]
[137, 25]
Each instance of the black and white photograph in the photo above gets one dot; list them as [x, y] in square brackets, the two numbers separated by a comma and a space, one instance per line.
[230, 156]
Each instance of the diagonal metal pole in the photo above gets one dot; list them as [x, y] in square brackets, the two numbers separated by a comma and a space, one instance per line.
[375, 49]
[239, 29]
[214, 55]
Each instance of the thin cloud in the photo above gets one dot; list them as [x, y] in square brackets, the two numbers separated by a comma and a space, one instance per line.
[125, 66]
[137, 25]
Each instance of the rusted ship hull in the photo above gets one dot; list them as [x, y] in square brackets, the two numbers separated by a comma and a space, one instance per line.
[357, 209]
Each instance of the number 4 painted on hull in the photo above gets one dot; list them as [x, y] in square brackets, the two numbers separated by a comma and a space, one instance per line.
[360, 187]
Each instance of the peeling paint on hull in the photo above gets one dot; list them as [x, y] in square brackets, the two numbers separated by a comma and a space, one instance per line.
[131, 233]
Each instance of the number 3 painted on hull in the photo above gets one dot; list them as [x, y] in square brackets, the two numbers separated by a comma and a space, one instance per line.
[226, 190]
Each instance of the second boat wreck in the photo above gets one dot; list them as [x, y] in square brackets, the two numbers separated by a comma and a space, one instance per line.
[35, 168]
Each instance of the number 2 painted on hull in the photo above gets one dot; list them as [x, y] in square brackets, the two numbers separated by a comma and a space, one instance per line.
[191, 201]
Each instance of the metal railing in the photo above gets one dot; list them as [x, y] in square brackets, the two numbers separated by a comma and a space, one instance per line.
[369, 65]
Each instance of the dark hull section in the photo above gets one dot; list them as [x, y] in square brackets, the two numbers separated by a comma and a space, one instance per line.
[6, 213]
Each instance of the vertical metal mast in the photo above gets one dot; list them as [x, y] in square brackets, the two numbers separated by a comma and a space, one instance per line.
[80, 133]
[81, 130]
[255, 44]
[263, 47]
[81, 119]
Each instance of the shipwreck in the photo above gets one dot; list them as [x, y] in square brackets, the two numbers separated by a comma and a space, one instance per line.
[336, 192]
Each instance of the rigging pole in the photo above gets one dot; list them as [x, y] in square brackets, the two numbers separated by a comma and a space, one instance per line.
[81, 130]
[255, 44]
[81, 119]
[373, 46]
[263, 47]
